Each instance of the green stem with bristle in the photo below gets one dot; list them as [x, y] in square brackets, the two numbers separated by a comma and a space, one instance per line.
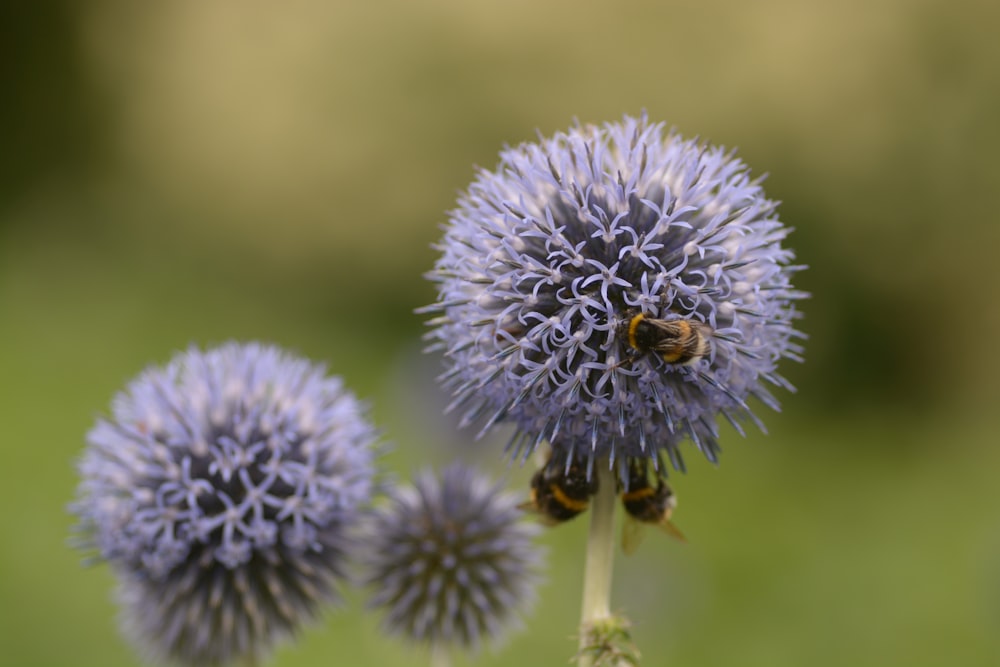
[596, 608]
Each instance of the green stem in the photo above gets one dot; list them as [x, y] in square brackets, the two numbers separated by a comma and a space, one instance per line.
[596, 606]
[440, 656]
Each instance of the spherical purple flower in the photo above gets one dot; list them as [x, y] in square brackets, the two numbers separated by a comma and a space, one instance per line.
[220, 492]
[613, 290]
[452, 561]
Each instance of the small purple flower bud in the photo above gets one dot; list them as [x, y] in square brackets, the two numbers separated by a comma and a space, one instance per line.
[452, 561]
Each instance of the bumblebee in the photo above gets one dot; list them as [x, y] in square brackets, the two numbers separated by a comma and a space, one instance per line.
[646, 505]
[559, 493]
[681, 342]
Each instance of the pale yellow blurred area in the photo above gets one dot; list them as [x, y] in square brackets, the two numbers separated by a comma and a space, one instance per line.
[308, 122]
[338, 134]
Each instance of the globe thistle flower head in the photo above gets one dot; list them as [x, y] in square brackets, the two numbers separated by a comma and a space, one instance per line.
[220, 491]
[451, 560]
[551, 262]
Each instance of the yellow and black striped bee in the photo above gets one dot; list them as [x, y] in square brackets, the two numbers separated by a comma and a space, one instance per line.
[682, 342]
[559, 493]
[646, 505]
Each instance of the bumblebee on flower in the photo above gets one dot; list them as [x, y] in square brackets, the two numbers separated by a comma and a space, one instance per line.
[612, 290]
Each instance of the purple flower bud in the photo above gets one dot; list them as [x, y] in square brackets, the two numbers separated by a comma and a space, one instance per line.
[552, 262]
[452, 561]
[220, 491]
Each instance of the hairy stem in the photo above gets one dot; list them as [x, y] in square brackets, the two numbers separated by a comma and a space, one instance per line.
[596, 607]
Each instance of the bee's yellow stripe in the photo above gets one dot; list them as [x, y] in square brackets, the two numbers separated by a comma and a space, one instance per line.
[632, 326]
[566, 501]
[639, 494]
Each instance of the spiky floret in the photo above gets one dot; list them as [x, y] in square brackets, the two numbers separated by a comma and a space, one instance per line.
[220, 491]
[546, 256]
[452, 562]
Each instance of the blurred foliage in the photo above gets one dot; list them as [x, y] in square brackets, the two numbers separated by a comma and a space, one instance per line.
[193, 172]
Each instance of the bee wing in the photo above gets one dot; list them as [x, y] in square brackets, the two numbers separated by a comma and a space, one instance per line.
[668, 527]
[633, 532]
[672, 332]
[532, 508]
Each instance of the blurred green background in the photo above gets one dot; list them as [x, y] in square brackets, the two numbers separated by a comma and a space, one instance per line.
[195, 172]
